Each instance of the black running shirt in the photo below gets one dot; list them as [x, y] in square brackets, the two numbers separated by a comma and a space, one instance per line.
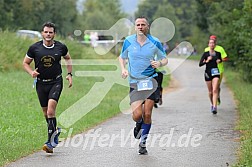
[212, 63]
[47, 59]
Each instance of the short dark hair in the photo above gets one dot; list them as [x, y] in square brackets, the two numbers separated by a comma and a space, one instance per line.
[143, 17]
[49, 24]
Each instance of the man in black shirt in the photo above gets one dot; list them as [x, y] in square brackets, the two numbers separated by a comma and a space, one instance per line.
[47, 55]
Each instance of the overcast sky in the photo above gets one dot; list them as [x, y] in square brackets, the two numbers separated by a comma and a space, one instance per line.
[128, 6]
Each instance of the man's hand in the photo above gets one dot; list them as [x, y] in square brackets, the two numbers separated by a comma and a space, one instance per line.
[35, 73]
[70, 80]
[155, 64]
[125, 73]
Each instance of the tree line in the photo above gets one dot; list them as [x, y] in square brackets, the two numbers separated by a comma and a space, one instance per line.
[31, 14]
[194, 20]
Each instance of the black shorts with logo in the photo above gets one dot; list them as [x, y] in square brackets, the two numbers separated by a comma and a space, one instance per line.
[49, 90]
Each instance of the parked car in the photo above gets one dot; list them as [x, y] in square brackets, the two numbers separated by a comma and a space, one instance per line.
[29, 34]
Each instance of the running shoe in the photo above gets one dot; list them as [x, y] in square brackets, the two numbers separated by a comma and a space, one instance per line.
[214, 110]
[155, 105]
[137, 130]
[56, 138]
[48, 148]
[142, 149]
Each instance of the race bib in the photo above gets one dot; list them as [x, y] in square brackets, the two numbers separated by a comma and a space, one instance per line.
[144, 85]
[215, 71]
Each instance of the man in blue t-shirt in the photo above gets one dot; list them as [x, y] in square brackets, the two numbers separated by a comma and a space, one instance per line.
[143, 53]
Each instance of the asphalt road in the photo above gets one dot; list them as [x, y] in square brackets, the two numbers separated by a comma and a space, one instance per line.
[184, 132]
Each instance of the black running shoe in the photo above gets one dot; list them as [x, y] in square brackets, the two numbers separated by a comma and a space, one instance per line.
[137, 130]
[214, 110]
[155, 105]
[142, 150]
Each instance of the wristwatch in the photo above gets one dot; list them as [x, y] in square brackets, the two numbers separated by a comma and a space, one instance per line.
[70, 74]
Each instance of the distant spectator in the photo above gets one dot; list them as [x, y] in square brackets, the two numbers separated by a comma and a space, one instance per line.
[86, 37]
[94, 38]
[184, 51]
[165, 47]
[70, 37]
[195, 50]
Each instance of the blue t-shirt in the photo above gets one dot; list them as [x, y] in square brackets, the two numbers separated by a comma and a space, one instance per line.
[139, 57]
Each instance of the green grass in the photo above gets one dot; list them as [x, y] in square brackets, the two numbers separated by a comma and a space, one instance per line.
[23, 128]
[243, 95]
[194, 57]
[12, 51]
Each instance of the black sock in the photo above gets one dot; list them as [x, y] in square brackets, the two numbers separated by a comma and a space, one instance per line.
[52, 124]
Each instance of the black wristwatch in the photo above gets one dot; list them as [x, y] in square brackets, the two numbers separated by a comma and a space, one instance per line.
[70, 74]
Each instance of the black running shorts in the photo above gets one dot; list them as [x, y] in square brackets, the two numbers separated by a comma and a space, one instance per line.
[49, 91]
[209, 77]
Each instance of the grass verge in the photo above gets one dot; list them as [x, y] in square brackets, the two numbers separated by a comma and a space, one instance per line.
[243, 95]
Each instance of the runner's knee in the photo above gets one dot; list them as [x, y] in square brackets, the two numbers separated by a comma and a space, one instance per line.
[215, 91]
[147, 117]
[136, 116]
[50, 113]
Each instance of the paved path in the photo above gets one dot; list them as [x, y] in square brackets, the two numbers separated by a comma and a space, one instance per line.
[184, 133]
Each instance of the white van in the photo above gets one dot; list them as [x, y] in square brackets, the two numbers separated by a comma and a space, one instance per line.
[29, 34]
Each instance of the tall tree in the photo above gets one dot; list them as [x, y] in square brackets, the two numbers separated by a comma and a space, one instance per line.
[148, 8]
[241, 34]
[201, 15]
[177, 11]
[31, 14]
[101, 15]
[62, 13]
[185, 12]
[7, 13]
[168, 11]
